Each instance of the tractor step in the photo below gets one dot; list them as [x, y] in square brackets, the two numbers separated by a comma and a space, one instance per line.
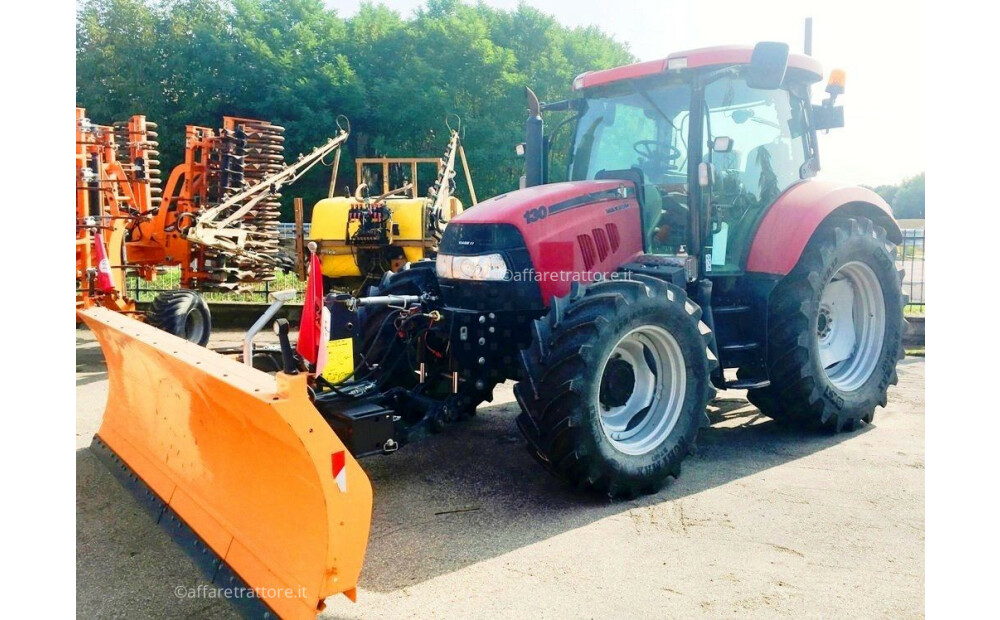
[730, 309]
[747, 384]
[739, 346]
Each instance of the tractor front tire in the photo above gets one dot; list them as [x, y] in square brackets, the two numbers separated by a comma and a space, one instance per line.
[182, 313]
[617, 385]
[835, 331]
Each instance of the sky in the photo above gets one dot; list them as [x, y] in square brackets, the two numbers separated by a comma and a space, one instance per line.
[880, 44]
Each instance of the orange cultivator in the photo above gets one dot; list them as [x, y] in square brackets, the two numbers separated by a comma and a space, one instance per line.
[116, 186]
[217, 219]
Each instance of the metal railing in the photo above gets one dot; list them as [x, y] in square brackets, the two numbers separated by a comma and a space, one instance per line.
[286, 230]
[910, 258]
[169, 280]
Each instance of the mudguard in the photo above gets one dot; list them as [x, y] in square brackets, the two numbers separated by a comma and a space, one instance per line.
[793, 218]
[240, 458]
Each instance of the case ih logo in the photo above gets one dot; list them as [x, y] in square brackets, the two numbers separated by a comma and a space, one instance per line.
[340, 470]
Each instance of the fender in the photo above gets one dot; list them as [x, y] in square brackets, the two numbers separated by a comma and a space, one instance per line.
[793, 218]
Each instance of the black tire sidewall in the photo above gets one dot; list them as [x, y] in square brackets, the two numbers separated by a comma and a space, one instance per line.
[663, 459]
[377, 334]
[872, 252]
[171, 310]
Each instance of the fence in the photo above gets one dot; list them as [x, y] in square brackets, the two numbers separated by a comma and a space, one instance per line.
[910, 258]
[286, 230]
[169, 280]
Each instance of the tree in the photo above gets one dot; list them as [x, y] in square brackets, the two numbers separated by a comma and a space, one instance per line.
[908, 203]
[906, 198]
[299, 64]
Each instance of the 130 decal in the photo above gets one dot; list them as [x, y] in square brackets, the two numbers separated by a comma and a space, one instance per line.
[534, 215]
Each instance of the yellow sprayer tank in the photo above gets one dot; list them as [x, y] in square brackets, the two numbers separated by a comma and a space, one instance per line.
[408, 231]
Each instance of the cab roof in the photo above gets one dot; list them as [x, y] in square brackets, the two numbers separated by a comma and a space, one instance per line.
[691, 59]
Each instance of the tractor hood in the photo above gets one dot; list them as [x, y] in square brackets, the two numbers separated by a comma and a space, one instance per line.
[574, 232]
[513, 207]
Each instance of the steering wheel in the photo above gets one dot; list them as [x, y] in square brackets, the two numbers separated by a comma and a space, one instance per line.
[651, 150]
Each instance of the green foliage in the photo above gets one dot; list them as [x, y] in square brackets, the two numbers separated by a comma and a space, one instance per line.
[299, 64]
[906, 198]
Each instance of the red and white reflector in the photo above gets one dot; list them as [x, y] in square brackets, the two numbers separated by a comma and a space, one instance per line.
[339, 461]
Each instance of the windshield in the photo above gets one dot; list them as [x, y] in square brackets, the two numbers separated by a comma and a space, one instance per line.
[630, 127]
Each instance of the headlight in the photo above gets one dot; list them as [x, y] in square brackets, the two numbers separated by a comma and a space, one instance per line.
[484, 267]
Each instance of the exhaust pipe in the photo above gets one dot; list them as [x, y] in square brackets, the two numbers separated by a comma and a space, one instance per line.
[534, 139]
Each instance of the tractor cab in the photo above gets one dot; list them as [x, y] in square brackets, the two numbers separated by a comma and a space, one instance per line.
[712, 137]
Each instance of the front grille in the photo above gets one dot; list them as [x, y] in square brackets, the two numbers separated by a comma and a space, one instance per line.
[520, 293]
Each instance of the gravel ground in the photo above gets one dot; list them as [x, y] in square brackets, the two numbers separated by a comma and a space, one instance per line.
[763, 521]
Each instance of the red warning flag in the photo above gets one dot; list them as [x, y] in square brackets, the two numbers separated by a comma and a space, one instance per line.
[311, 325]
[104, 282]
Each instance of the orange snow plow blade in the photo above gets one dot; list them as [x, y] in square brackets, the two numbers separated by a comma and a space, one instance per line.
[238, 457]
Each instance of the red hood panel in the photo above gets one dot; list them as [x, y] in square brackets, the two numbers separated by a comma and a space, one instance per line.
[510, 207]
[574, 231]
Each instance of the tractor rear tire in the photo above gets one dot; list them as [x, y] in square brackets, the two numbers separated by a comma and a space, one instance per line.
[814, 382]
[617, 385]
[182, 313]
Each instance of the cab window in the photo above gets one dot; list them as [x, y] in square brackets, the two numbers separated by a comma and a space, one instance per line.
[768, 150]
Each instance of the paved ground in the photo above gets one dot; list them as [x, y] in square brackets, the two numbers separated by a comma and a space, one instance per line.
[763, 522]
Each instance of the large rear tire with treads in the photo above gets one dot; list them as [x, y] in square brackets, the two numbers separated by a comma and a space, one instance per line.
[835, 330]
[182, 313]
[617, 385]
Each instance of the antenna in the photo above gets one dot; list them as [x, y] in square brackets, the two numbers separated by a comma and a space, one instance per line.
[809, 37]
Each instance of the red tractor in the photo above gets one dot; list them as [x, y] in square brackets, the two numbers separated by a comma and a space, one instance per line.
[691, 250]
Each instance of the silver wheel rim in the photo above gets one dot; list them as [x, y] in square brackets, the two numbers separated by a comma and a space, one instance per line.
[850, 326]
[643, 381]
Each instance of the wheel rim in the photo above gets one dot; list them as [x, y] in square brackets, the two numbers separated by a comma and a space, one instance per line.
[643, 381]
[194, 326]
[850, 326]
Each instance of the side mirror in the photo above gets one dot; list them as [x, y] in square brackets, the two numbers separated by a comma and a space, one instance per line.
[768, 64]
[722, 144]
[827, 117]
